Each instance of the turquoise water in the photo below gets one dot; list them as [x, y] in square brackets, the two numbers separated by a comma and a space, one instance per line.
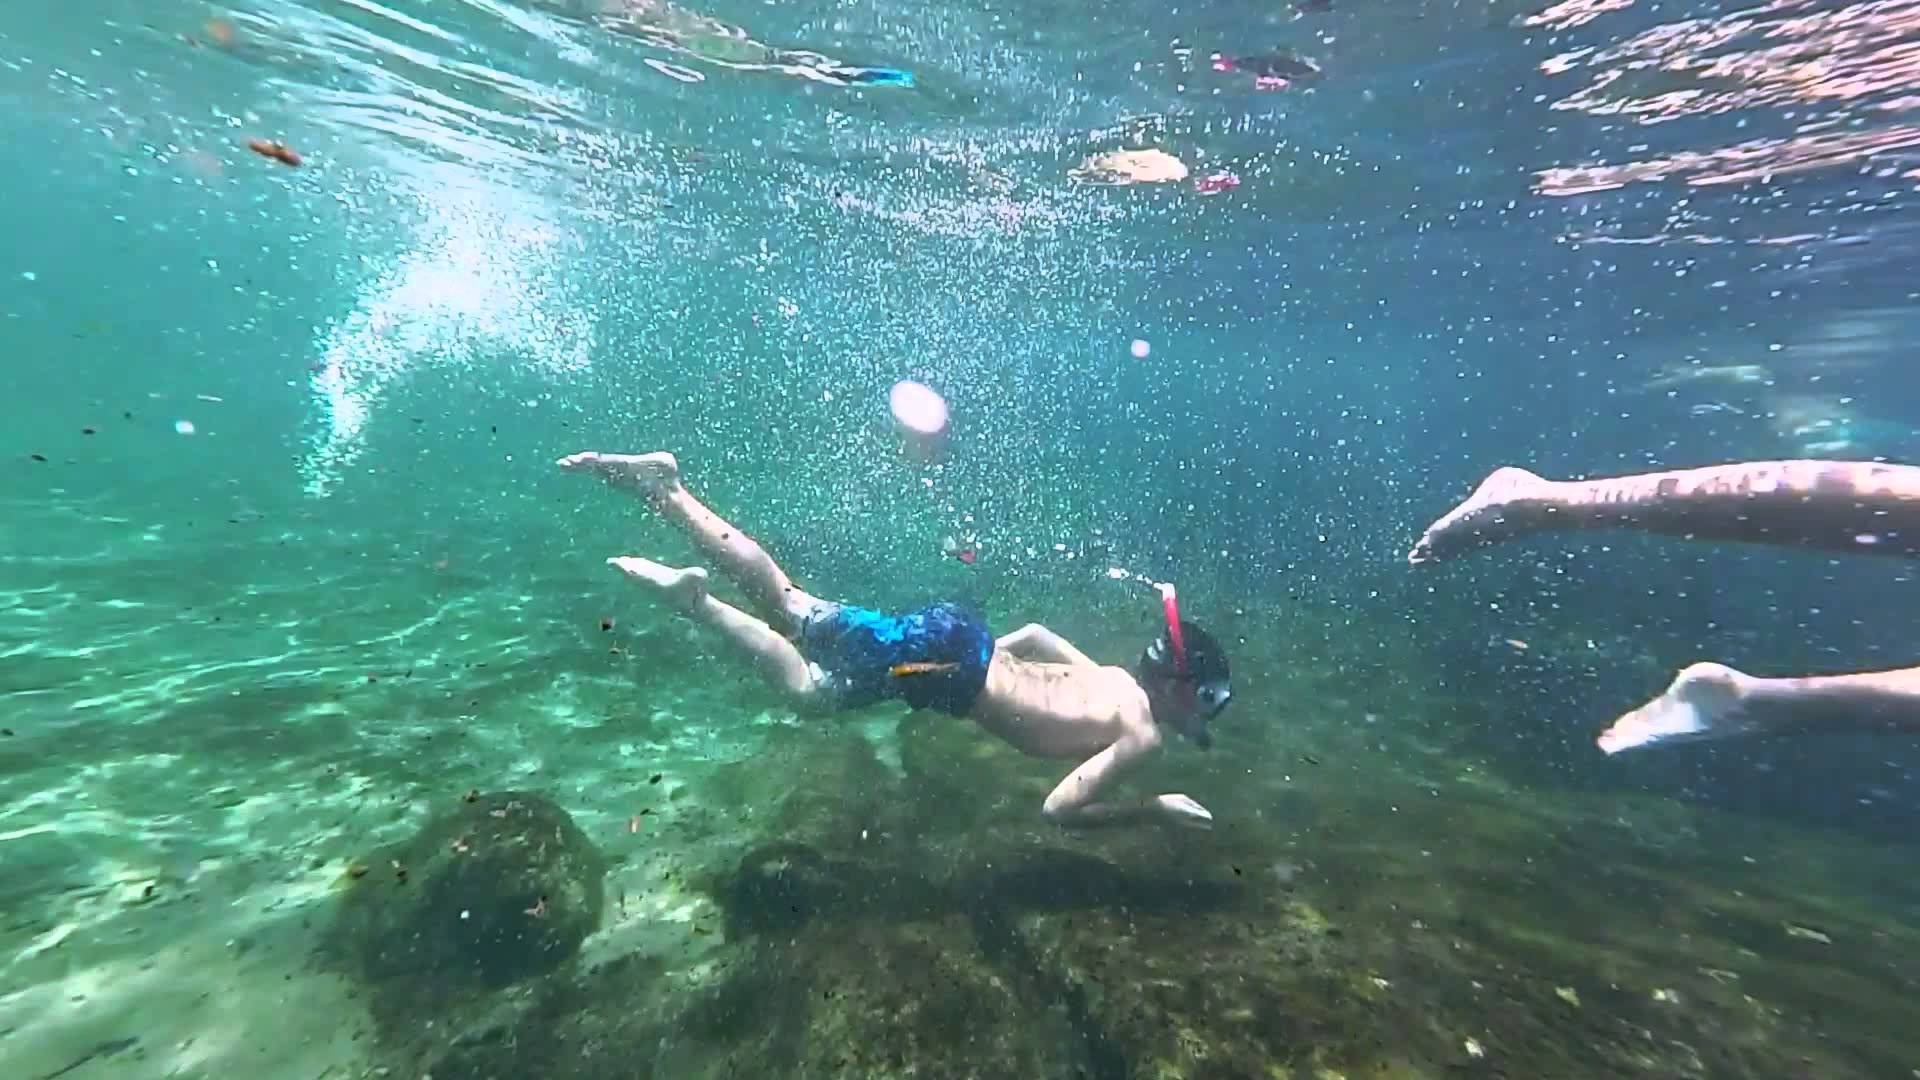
[289, 572]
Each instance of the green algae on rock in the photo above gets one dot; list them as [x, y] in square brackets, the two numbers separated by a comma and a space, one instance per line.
[494, 890]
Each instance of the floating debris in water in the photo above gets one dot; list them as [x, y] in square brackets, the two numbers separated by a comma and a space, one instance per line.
[219, 33]
[1122, 167]
[1216, 183]
[1140, 349]
[963, 548]
[1567, 994]
[1473, 1048]
[277, 150]
[183, 427]
[1276, 71]
[1807, 933]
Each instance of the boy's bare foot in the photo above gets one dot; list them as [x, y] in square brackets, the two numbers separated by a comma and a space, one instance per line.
[1704, 701]
[1183, 811]
[647, 474]
[1482, 518]
[681, 588]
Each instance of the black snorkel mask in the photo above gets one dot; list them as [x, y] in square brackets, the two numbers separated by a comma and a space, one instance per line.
[1186, 675]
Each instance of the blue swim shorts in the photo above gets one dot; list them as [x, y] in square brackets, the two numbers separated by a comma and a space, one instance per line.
[856, 649]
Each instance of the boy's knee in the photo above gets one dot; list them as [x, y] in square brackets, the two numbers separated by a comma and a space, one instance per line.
[805, 696]
[800, 607]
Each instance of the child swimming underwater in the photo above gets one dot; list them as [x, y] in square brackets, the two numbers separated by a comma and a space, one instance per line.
[1032, 687]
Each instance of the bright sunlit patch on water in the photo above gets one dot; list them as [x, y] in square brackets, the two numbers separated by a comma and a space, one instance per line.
[480, 282]
[918, 408]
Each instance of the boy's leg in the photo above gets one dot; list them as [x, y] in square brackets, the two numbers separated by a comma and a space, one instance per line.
[656, 478]
[779, 662]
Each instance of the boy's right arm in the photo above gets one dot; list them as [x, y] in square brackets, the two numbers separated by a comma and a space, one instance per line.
[1074, 803]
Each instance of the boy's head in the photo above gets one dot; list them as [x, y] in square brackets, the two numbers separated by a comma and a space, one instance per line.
[1184, 672]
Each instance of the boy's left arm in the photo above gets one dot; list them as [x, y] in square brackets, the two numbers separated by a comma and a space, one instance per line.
[1036, 642]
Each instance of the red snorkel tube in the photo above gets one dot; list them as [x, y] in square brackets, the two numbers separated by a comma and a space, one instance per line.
[1172, 607]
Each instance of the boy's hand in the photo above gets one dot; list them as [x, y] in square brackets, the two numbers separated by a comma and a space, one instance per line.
[1181, 810]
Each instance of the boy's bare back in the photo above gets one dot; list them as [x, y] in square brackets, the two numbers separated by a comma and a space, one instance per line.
[1048, 699]
[1050, 709]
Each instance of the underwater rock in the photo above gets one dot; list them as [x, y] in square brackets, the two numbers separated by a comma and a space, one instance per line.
[864, 931]
[1224, 987]
[497, 889]
[804, 787]
[783, 886]
[827, 977]
[884, 999]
